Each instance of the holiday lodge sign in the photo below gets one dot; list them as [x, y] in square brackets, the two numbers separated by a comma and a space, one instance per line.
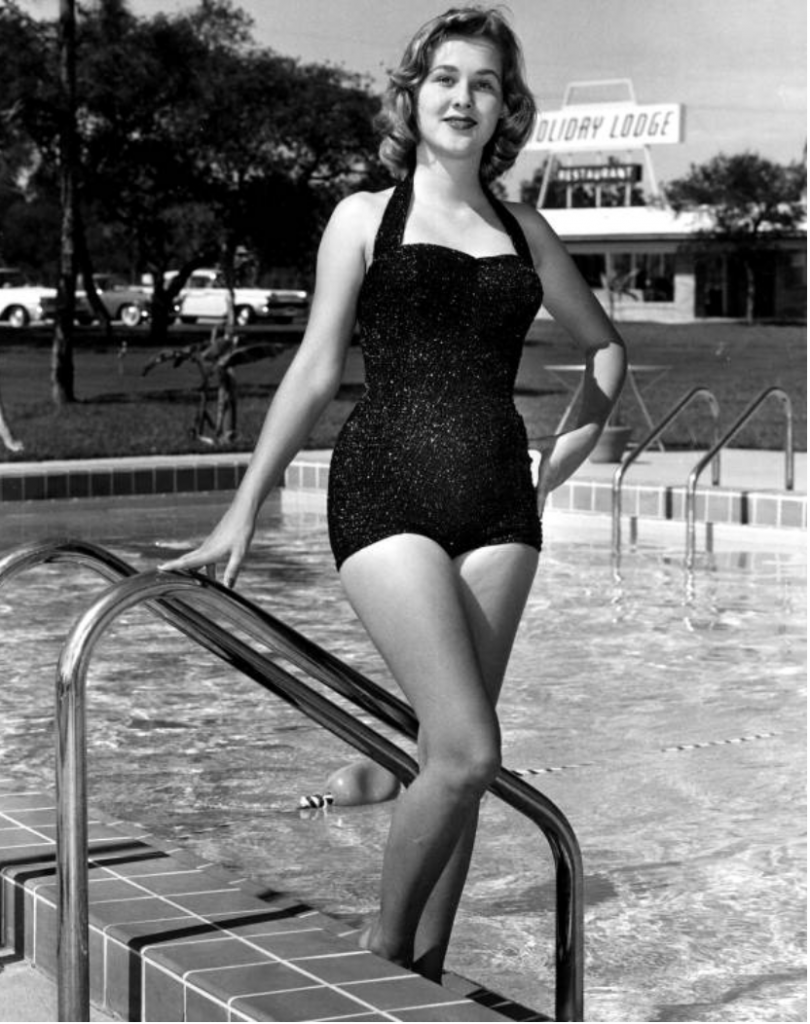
[608, 126]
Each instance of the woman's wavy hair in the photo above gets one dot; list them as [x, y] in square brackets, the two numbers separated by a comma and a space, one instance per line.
[397, 118]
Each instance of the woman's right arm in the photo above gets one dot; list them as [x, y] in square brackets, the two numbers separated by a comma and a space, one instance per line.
[308, 386]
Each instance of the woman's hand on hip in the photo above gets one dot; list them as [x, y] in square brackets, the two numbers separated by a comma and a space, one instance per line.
[561, 455]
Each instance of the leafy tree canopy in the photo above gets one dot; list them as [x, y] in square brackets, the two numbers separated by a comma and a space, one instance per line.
[751, 203]
[194, 141]
[749, 199]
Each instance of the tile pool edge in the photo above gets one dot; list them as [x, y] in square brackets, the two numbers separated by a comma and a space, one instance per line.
[175, 938]
[734, 505]
[587, 491]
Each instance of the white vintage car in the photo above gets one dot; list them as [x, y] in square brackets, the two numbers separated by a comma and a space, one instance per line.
[22, 303]
[205, 296]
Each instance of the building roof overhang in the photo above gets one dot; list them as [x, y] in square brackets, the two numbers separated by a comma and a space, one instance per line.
[626, 223]
[631, 223]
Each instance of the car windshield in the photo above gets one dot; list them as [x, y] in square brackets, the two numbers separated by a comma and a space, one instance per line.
[206, 281]
[106, 282]
[12, 278]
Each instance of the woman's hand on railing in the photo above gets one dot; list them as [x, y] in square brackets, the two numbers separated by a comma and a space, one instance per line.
[228, 543]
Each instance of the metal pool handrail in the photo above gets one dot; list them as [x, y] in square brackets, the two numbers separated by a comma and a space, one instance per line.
[655, 433]
[161, 589]
[691, 485]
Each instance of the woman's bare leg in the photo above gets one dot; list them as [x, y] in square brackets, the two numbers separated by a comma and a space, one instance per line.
[495, 586]
[421, 613]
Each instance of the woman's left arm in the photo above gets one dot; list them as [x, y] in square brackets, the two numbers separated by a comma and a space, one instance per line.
[573, 305]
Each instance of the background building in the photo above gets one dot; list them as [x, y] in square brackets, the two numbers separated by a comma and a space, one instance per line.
[600, 194]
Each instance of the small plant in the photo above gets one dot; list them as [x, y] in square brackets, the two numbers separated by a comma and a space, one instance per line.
[216, 360]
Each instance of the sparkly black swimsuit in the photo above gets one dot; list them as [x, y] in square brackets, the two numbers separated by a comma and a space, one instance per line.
[436, 446]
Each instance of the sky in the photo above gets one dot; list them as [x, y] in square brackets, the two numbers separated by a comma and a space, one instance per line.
[737, 66]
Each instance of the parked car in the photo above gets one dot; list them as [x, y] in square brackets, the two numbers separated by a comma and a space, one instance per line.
[21, 302]
[129, 303]
[205, 296]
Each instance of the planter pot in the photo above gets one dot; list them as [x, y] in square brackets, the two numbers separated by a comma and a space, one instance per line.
[612, 444]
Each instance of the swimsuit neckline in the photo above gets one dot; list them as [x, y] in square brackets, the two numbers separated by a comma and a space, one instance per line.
[459, 252]
[391, 230]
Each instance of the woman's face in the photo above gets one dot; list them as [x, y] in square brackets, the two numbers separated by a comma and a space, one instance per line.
[461, 98]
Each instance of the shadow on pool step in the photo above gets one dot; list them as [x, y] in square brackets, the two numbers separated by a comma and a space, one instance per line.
[174, 939]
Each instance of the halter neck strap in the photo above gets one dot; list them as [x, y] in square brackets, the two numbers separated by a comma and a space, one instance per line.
[392, 226]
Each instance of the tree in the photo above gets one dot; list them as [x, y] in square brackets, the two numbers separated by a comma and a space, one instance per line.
[193, 143]
[197, 143]
[62, 389]
[751, 203]
[29, 216]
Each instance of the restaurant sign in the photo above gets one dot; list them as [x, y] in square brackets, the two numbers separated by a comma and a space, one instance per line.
[600, 174]
[607, 126]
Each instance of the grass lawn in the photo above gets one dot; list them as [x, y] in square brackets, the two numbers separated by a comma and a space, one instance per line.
[121, 411]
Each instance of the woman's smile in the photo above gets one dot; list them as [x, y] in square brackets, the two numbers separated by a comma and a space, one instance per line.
[460, 123]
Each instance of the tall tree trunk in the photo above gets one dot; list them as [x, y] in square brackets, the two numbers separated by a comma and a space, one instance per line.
[84, 267]
[750, 291]
[62, 384]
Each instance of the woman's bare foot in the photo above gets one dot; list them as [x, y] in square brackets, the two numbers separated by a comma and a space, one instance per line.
[430, 965]
[371, 939]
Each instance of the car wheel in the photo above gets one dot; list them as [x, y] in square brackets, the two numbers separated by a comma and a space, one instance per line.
[243, 315]
[130, 315]
[18, 316]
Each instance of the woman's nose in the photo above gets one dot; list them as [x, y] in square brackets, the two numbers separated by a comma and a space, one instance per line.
[463, 96]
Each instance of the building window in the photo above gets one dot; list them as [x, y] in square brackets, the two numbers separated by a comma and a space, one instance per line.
[656, 276]
[796, 274]
[592, 267]
[647, 276]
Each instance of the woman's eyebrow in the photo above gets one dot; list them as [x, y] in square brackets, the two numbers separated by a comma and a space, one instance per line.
[452, 67]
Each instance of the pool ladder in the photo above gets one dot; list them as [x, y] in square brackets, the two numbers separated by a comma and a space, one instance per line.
[712, 456]
[167, 594]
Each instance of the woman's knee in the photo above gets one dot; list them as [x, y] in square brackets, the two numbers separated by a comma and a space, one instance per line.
[465, 767]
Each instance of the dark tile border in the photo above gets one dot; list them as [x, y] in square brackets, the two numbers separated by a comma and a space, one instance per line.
[188, 475]
[87, 481]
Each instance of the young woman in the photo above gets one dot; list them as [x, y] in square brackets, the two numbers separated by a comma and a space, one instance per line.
[433, 518]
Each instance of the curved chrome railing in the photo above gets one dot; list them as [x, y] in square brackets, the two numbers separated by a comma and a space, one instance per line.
[161, 590]
[714, 451]
[655, 433]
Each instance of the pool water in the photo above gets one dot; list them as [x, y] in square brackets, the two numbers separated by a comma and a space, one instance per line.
[663, 712]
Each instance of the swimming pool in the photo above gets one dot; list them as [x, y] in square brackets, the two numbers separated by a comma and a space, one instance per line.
[665, 715]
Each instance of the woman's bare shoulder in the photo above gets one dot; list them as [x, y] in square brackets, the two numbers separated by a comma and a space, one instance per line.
[539, 233]
[358, 216]
[363, 207]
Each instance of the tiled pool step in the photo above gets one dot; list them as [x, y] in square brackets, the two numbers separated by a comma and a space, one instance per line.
[173, 939]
